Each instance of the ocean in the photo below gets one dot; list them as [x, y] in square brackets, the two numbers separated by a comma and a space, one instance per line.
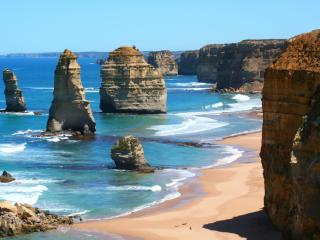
[72, 177]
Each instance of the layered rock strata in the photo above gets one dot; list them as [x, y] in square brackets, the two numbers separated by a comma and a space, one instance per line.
[188, 62]
[164, 61]
[14, 98]
[290, 142]
[131, 85]
[69, 111]
[22, 218]
[236, 64]
[128, 154]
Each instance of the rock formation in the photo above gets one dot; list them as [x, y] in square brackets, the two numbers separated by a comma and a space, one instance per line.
[188, 62]
[22, 218]
[164, 60]
[69, 111]
[14, 99]
[128, 154]
[232, 65]
[131, 85]
[290, 142]
[6, 177]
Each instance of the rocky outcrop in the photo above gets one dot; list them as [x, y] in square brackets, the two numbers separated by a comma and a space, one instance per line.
[128, 154]
[131, 85]
[69, 111]
[188, 62]
[22, 218]
[164, 61]
[6, 177]
[14, 98]
[236, 64]
[290, 141]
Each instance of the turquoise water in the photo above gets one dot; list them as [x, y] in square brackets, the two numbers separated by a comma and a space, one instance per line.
[78, 177]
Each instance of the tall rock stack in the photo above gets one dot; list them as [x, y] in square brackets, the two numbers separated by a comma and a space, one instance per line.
[164, 60]
[131, 85]
[238, 65]
[188, 62]
[69, 111]
[14, 98]
[290, 150]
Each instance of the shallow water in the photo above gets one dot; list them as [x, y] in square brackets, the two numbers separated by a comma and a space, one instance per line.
[78, 177]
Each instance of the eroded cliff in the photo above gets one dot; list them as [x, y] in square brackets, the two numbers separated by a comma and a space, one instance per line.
[236, 64]
[290, 141]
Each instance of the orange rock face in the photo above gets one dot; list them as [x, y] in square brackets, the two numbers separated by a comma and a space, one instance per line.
[291, 138]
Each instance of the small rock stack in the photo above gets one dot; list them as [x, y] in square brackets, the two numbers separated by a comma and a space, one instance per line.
[14, 98]
[164, 61]
[69, 111]
[128, 154]
[131, 85]
[18, 219]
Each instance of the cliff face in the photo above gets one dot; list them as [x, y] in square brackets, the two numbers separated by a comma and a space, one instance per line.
[131, 85]
[233, 65]
[164, 61]
[290, 141]
[188, 63]
[69, 109]
[14, 98]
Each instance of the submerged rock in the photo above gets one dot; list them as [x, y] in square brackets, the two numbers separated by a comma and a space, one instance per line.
[69, 111]
[16, 219]
[291, 144]
[233, 65]
[164, 61]
[14, 98]
[128, 154]
[131, 85]
[6, 177]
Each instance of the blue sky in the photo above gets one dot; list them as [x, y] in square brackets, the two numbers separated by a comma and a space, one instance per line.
[103, 25]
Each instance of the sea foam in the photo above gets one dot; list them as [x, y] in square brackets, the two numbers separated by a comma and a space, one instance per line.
[9, 148]
[154, 188]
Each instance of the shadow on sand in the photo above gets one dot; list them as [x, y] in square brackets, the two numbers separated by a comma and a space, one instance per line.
[252, 226]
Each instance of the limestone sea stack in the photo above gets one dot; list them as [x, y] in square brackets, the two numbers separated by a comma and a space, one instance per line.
[128, 154]
[164, 60]
[130, 84]
[238, 66]
[16, 219]
[188, 62]
[14, 98]
[290, 150]
[69, 110]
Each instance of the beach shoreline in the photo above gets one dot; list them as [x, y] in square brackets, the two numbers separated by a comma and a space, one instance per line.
[230, 206]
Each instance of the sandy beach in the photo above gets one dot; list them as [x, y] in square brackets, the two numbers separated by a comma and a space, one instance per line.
[230, 208]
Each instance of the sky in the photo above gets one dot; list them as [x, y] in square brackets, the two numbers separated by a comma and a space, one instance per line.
[33, 26]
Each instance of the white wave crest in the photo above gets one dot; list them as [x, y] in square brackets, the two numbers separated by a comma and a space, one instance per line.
[191, 125]
[21, 194]
[154, 188]
[12, 147]
[28, 131]
[235, 155]
[79, 213]
[189, 84]
[241, 97]
[189, 89]
[215, 105]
